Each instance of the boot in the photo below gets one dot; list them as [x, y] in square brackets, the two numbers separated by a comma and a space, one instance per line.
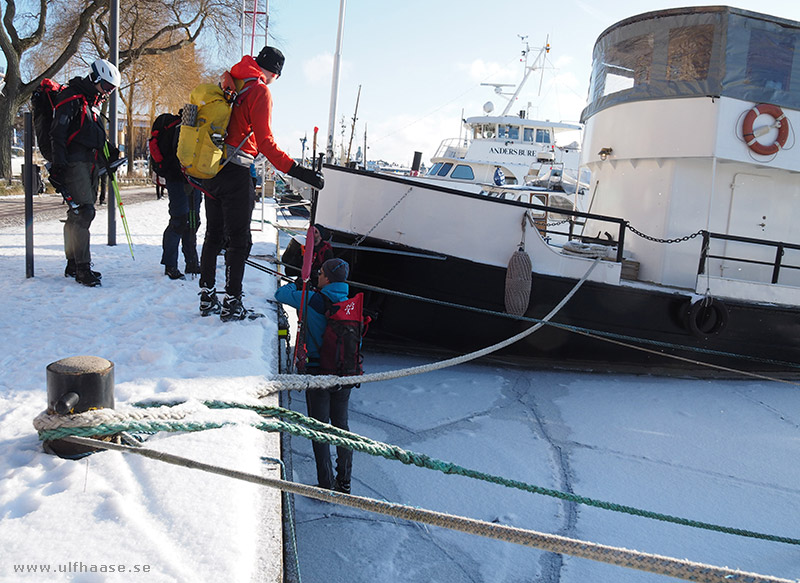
[173, 272]
[86, 276]
[340, 486]
[233, 310]
[192, 268]
[209, 304]
[70, 270]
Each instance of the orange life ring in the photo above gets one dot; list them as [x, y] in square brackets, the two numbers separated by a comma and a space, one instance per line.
[783, 129]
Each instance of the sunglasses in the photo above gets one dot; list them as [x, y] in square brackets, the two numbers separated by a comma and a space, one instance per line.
[106, 87]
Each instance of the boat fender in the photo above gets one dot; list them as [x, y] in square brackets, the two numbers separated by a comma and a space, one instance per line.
[706, 317]
[751, 139]
[518, 283]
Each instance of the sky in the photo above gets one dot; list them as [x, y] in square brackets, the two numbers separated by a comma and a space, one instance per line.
[420, 64]
[720, 451]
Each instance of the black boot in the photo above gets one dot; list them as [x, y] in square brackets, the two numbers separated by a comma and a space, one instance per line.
[70, 270]
[86, 276]
[232, 310]
[209, 304]
[173, 272]
[192, 268]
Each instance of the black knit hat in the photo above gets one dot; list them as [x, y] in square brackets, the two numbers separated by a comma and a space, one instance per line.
[336, 270]
[271, 59]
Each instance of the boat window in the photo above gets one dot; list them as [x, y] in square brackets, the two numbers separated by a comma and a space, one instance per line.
[543, 136]
[508, 131]
[444, 169]
[627, 64]
[463, 172]
[485, 130]
[769, 59]
[527, 135]
[689, 52]
[435, 169]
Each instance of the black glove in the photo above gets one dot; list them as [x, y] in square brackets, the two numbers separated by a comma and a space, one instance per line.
[58, 173]
[112, 161]
[307, 175]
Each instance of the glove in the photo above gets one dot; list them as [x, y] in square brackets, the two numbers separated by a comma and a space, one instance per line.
[308, 176]
[113, 161]
[58, 173]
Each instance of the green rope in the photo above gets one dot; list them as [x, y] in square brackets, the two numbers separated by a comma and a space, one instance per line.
[294, 423]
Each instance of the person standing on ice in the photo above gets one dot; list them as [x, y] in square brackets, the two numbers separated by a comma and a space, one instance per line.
[231, 195]
[326, 405]
[78, 138]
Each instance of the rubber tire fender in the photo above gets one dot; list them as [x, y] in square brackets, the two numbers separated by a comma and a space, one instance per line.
[706, 317]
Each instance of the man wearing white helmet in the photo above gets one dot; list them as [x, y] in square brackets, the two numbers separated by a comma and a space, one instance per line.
[78, 137]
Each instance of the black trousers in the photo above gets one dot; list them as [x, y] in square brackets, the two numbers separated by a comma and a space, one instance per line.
[330, 406]
[229, 202]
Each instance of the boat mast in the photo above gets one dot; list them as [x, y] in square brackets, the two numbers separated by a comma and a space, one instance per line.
[353, 127]
[337, 58]
[528, 70]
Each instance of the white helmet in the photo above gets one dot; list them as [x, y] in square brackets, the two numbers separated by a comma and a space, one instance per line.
[103, 70]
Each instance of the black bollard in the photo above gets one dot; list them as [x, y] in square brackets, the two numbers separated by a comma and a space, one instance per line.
[75, 385]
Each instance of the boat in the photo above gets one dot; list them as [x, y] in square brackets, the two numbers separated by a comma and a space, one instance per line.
[687, 258]
[510, 149]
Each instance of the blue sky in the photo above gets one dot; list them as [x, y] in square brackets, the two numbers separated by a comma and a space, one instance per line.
[420, 64]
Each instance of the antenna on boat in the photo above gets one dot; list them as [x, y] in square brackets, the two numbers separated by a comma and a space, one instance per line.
[537, 64]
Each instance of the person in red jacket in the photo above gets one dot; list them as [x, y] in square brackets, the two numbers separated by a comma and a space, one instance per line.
[230, 194]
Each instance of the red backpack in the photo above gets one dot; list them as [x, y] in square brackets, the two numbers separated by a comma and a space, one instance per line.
[340, 353]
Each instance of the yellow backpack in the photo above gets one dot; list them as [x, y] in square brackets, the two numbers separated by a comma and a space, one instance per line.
[204, 123]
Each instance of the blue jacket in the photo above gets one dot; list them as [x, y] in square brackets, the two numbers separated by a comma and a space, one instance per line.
[316, 322]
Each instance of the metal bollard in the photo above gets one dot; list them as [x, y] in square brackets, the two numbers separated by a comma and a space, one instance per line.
[75, 385]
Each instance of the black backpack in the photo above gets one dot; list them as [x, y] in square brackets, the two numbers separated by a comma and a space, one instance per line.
[43, 103]
[340, 353]
[163, 145]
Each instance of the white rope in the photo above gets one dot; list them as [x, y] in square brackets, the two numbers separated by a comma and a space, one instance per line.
[195, 410]
[305, 382]
[632, 559]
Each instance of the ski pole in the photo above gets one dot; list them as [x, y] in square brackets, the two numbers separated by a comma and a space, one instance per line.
[113, 177]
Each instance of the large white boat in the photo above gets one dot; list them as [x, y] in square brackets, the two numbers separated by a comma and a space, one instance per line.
[689, 136]
[510, 149]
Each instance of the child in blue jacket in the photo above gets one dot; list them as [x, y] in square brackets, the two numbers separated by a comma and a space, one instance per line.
[326, 405]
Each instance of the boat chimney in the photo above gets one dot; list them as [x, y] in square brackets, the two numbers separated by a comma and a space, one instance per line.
[416, 163]
[522, 114]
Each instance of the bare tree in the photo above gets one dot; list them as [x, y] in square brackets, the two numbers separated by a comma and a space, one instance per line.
[34, 42]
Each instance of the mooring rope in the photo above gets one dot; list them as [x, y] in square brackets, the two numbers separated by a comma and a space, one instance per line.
[154, 417]
[620, 339]
[306, 382]
[632, 559]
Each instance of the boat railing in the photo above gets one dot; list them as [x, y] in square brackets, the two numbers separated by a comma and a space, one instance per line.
[776, 264]
[578, 219]
[452, 148]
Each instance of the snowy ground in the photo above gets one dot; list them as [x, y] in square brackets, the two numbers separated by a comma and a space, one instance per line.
[721, 452]
[165, 524]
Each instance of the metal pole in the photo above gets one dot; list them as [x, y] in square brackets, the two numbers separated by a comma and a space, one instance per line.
[337, 58]
[27, 180]
[113, 56]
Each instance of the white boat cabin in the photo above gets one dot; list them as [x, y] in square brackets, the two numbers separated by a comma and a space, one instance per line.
[523, 150]
[691, 126]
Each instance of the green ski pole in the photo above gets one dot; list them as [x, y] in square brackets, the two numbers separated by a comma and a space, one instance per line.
[113, 177]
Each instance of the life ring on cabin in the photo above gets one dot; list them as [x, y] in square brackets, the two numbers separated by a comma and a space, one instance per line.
[706, 317]
[750, 138]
